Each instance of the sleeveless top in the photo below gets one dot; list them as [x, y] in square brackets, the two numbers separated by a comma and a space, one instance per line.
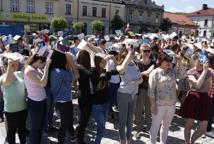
[35, 91]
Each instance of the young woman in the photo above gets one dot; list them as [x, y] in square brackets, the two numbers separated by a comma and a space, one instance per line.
[198, 104]
[13, 87]
[162, 93]
[35, 82]
[61, 76]
[145, 65]
[85, 98]
[130, 79]
[100, 98]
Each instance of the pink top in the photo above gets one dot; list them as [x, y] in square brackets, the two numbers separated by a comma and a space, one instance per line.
[35, 91]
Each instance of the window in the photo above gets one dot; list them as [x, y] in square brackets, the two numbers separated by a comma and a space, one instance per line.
[68, 9]
[49, 7]
[14, 5]
[205, 22]
[31, 6]
[205, 33]
[0, 4]
[94, 11]
[84, 11]
[104, 12]
[130, 16]
[117, 12]
[145, 1]
[149, 14]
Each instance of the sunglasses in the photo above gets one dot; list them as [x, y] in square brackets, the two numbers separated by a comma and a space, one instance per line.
[146, 51]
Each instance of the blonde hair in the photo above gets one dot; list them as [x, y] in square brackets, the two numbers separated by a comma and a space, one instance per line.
[143, 46]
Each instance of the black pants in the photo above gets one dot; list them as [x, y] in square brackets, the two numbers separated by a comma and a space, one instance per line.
[85, 105]
[37, 115]
[66, 116]
[16, 122]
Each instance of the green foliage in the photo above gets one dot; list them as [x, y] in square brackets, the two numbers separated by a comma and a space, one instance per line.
[117, 23]
[166, 24]
[58, 23]
[97, 25]
[78, 25]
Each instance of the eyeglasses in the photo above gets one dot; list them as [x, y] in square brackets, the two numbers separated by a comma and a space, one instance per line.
[146, 51]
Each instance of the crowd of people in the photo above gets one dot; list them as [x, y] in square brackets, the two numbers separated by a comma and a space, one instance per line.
[139, 77]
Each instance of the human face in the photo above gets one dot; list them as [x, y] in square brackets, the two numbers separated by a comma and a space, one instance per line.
[167, 63]
[198, 65]
[41, 64]
[14, 64]
[146, 52]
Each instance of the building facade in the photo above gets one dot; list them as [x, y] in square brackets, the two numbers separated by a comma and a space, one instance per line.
[89, 10]
[181, 24]
[143, 15]
[37, 14]
[204, 18]
[33, 14]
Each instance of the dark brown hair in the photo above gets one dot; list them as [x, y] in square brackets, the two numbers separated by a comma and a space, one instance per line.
[34, 58]
[84, 59]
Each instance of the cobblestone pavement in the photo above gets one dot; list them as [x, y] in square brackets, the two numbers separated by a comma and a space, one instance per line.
[112, 135]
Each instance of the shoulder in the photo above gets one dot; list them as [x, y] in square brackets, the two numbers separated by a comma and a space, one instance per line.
[28, 69]
[154, 72]
[191, 71]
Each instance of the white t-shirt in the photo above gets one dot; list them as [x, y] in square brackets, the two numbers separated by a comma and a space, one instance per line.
[114, 78]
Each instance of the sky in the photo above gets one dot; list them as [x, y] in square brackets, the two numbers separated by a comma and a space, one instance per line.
[184, 5]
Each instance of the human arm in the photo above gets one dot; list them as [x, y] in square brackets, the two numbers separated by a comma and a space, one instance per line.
[121, 68]
[71, 65]
[9, 75]
[40, 81]
[148, 71]
[197, 83]
[152, 93]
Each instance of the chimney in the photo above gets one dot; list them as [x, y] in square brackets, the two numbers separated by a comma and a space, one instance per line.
[204, 7]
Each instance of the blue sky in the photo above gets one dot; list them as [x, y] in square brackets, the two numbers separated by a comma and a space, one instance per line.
[184, 5]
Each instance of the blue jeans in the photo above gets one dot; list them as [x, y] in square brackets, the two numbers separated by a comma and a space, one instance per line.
[100, 115]
[209, 126]
[37, 115]
[112, 92]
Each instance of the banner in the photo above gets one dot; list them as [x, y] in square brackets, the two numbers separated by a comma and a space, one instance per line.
[23, 17]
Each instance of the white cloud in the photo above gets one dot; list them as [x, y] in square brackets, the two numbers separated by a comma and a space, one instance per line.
[189, 9]
[186, 9]
[172, 9]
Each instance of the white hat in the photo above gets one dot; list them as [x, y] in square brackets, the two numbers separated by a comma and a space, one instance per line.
[173, 35]
[13, 56]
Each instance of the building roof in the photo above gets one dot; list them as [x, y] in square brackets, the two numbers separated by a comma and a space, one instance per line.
[177, 18]
[148, 3]
[203, 12]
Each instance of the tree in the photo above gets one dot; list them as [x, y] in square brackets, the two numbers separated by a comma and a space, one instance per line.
[166, 24]
[97, 25]
[58, 23]
[78, 26]
[117, 23]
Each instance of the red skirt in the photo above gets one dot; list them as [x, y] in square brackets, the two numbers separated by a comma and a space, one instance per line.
[197, 106]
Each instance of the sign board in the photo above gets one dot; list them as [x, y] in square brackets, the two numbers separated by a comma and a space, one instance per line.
[23, 17]
[118, 32]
